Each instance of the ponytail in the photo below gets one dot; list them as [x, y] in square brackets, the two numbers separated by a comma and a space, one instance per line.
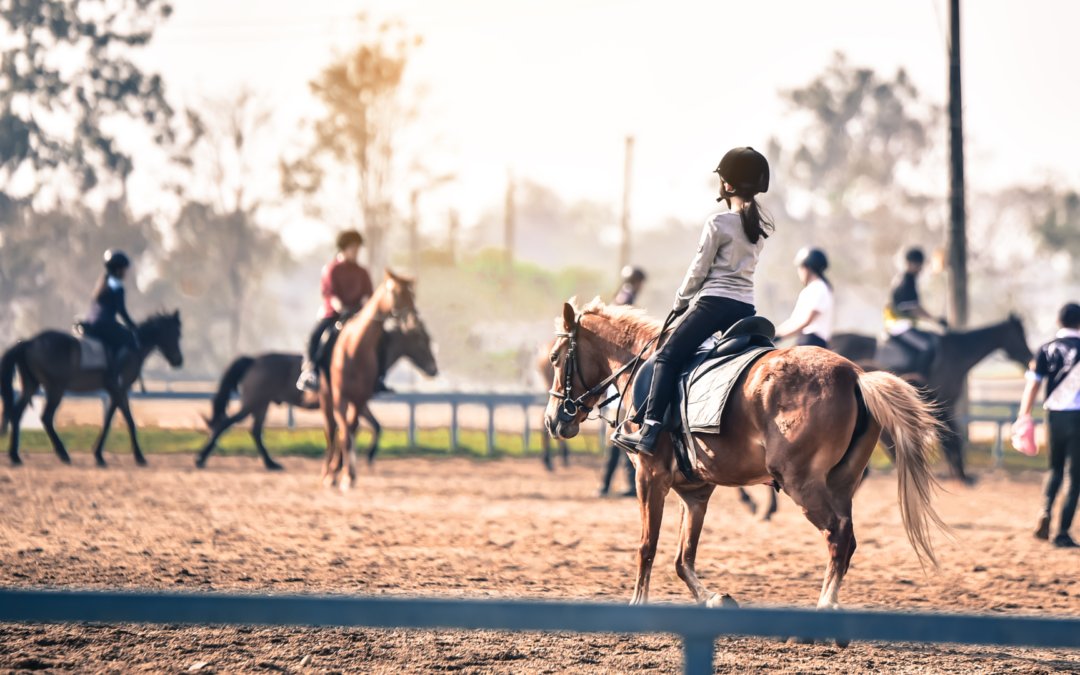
[756, 222]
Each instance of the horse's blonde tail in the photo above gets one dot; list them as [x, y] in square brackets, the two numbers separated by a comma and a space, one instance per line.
[896, 405]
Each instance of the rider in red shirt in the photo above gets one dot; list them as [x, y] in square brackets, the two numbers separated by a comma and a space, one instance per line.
[346, 286]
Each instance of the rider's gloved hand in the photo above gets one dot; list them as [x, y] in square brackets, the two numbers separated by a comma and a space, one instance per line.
[944, 323]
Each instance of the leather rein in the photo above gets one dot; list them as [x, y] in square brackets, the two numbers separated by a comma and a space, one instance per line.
[570, 407]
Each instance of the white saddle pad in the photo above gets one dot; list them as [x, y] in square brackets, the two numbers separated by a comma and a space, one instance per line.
[91, 354]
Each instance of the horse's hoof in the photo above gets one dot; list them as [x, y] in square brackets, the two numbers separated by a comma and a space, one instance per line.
[843, 643]
[141, 462]
[274, 466]
[15, 461]
[65, 459]
[724, 601]
[101, 464]
[200, 464]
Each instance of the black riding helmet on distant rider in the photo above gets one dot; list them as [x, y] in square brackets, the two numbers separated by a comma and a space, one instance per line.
[116, 260]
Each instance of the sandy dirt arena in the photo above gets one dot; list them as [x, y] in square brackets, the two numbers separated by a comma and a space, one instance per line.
[504, 528]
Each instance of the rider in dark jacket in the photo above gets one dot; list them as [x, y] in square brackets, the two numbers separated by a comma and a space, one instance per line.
[107, 304]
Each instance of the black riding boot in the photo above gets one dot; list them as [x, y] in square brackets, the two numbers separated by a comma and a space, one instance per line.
[643, 440]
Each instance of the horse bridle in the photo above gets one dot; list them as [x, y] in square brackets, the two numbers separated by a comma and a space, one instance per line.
[570, 407]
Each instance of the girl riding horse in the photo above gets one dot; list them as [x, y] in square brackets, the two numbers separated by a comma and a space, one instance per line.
[719, 283]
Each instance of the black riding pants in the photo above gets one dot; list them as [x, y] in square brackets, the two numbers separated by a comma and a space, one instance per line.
[113, 334]
[709, 315]
[811, 340]
[1064, 441]
[315, 341]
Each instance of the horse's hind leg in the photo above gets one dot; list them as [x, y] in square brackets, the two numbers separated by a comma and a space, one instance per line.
[29, 386]
[747, 501]
[215, 434]
[694, 503]
[830, 512]
[99, 444]
[52, 402]
[257, 435]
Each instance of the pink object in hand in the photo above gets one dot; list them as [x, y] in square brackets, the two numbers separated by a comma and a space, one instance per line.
[1023, 438]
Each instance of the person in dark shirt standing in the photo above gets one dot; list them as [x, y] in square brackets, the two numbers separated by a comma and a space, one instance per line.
[632, 280]
[346, 286]
[1056, 364]
[101, 322]
[904, 311]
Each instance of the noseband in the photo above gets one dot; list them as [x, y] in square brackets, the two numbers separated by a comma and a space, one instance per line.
[570, 407]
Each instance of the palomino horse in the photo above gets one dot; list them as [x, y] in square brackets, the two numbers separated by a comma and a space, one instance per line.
[271, 378]
[51, 360]
[794, 417]
[958, 352]
[354, 368]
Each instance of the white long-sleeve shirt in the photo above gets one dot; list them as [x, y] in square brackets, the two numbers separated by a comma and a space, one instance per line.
[724, 264]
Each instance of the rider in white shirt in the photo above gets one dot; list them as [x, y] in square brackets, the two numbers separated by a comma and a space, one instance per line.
[812, 318]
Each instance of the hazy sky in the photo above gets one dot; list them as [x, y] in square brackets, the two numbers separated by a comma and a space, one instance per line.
[550, 88]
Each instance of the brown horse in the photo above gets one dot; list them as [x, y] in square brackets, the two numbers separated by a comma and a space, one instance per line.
[795, 417]
[547, 372]
[51, 360]
[354, 368]
[271, 378]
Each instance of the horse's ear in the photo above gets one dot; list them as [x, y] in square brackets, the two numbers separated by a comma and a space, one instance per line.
[569, 316]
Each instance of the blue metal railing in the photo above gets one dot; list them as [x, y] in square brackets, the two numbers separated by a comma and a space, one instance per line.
[697, 625]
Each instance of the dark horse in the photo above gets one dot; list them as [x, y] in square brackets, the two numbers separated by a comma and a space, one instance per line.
[957, 353]
[271, 378]
[51, 360]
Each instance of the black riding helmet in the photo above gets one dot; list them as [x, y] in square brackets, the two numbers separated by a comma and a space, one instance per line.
[115, 259]
[915, 255]
[813, 259]
[746, 170]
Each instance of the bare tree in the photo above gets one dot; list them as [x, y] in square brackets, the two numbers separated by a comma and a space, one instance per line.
[220, 253]
[364, 113]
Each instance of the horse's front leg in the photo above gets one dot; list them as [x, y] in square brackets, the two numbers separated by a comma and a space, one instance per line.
[695, 502]
[376, 434]
[125, 410]
[99, 444]
[653, 483]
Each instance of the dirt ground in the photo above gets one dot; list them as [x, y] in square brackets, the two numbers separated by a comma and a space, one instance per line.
[504, 528]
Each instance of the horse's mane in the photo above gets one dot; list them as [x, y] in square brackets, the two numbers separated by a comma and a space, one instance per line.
[632, 322]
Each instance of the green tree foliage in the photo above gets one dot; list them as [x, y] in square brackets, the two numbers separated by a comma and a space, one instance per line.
[50, 261]
[361, 93]
[64, 71]
[856, 183]
[1059, 227]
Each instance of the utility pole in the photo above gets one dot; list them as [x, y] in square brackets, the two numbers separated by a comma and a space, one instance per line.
[414, 234]
[624, 248]
[957, 219]
[508, 228]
